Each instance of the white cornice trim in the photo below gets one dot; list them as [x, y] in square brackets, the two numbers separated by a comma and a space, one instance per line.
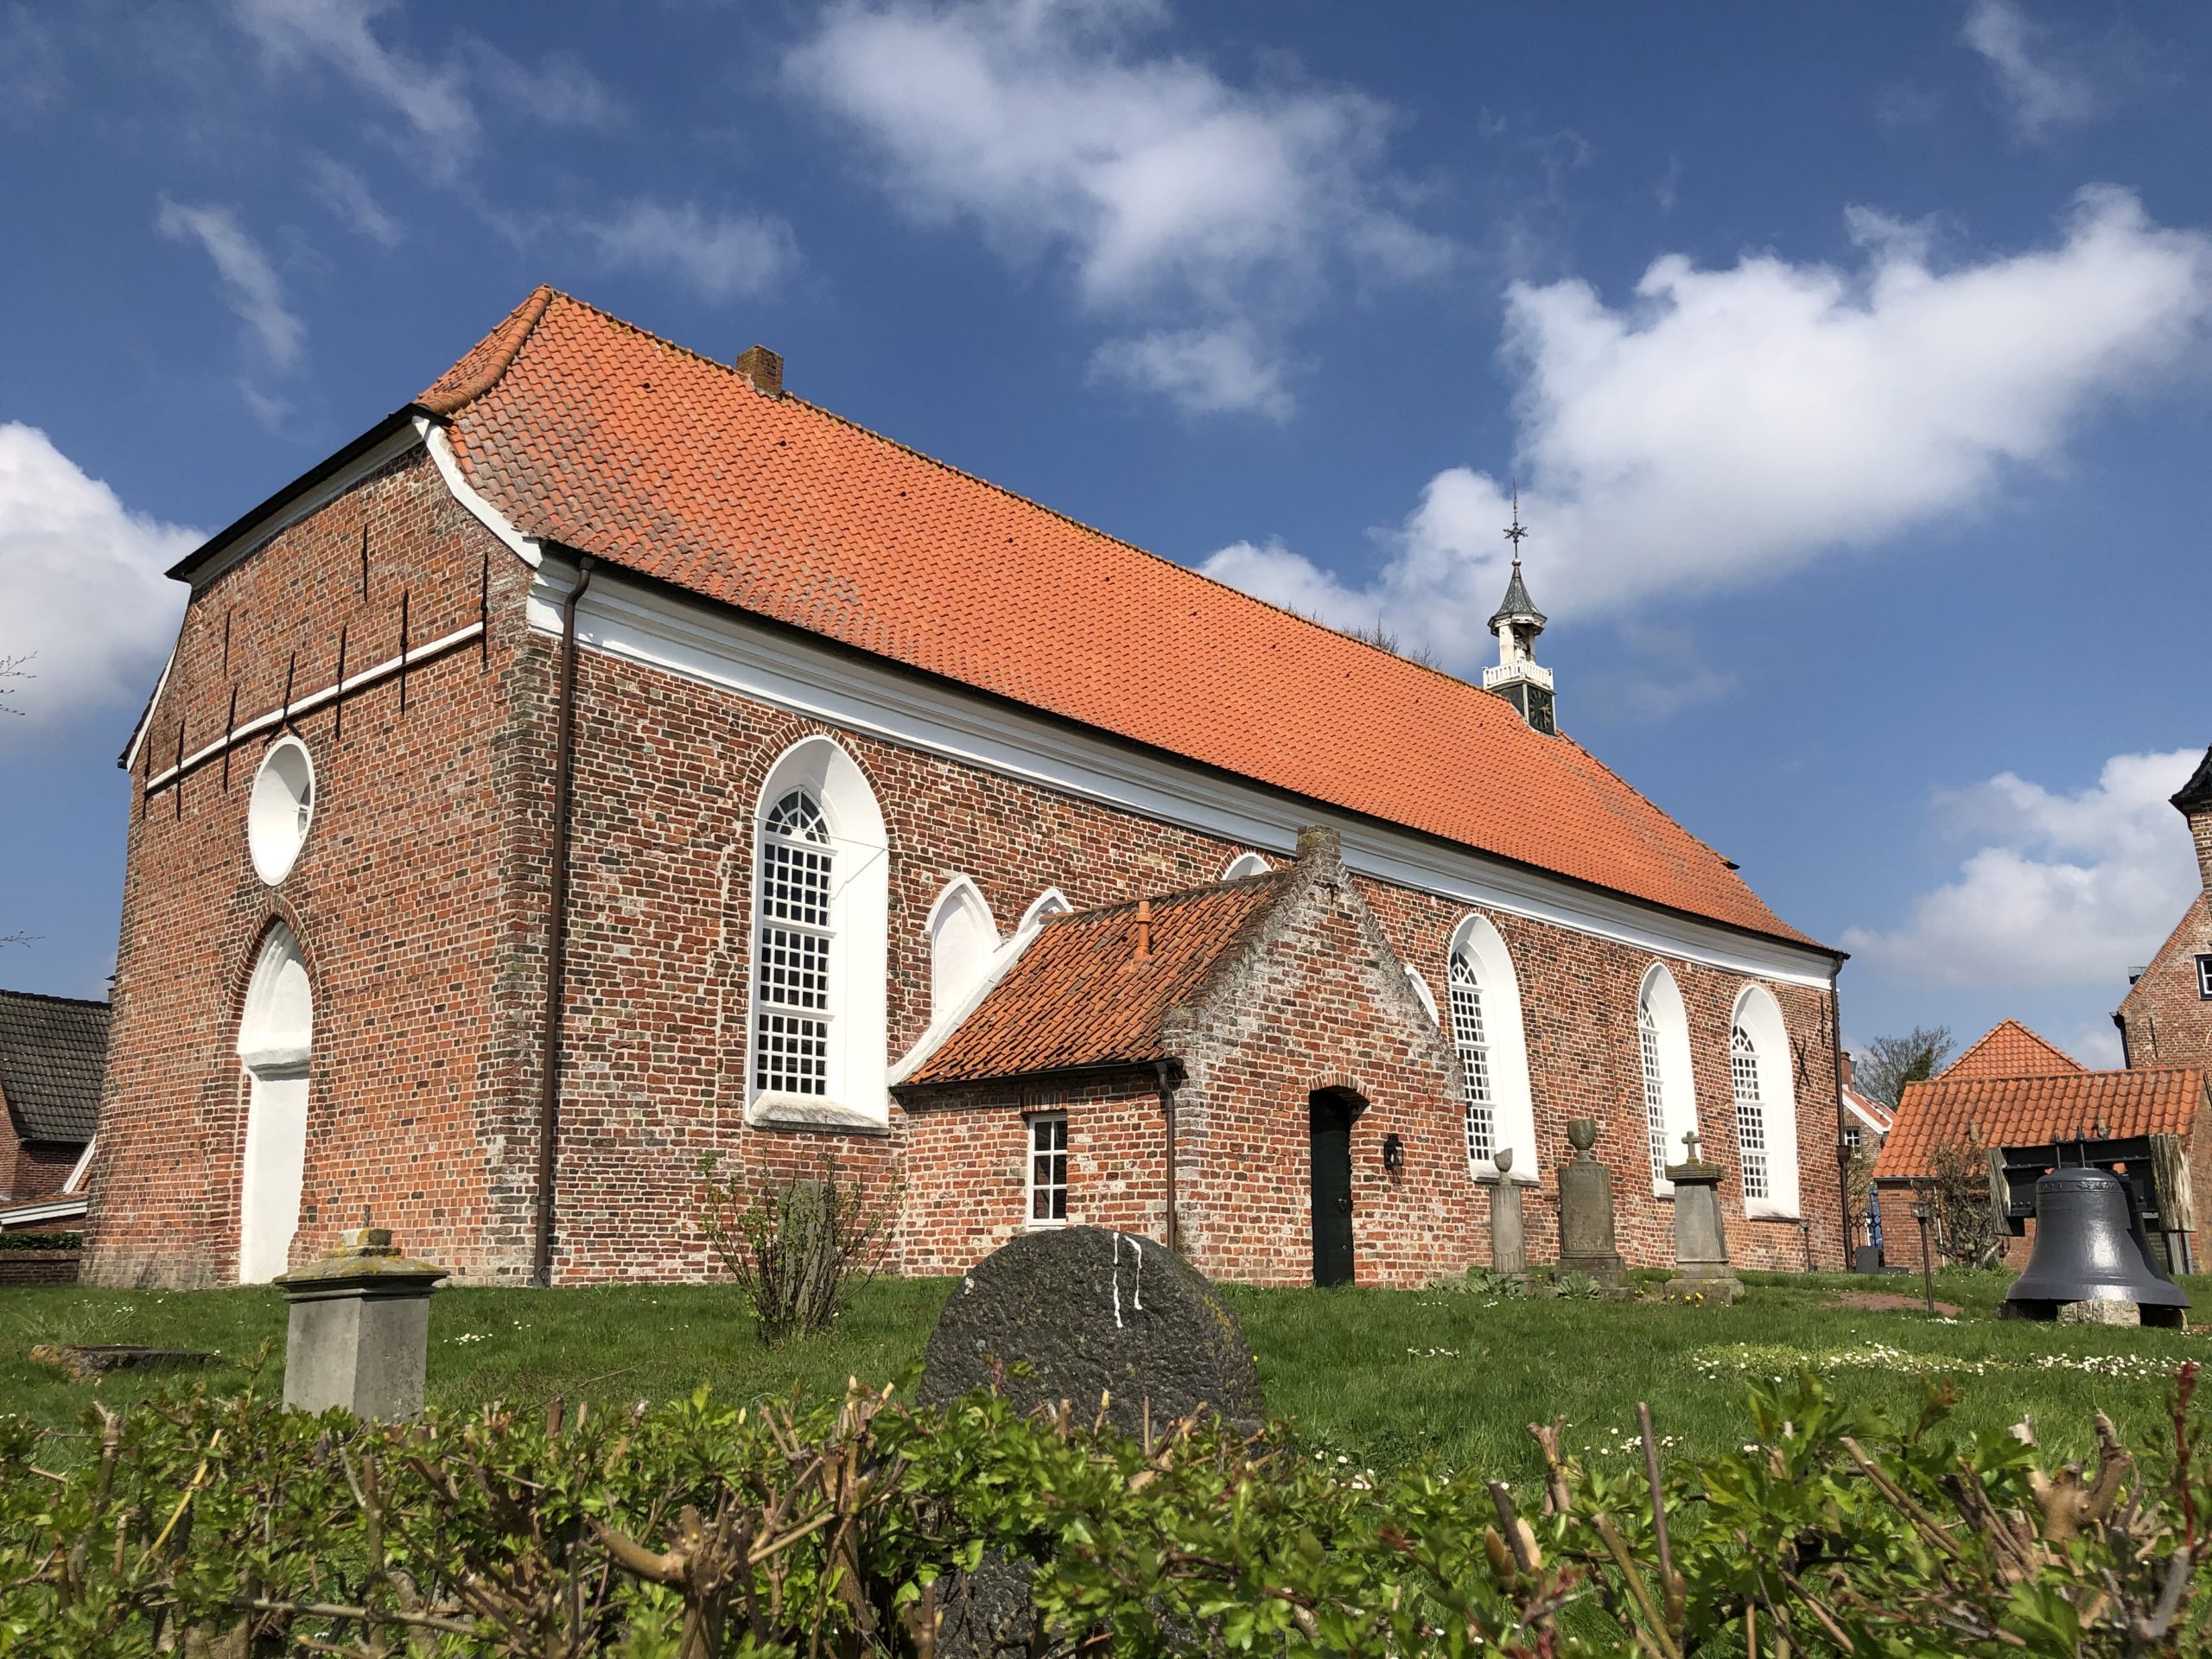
[146, 719]
[308, 502]
[717, 645]
[28, 1214]
[526, 548]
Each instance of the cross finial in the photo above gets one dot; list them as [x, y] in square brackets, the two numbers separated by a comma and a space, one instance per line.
[1689, 1140]
[1516, 530]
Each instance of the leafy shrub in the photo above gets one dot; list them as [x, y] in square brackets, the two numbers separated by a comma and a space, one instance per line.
[797, 1247]
[41, 1241]
[1489, 1282]
[1576, 1287]
[697, 1530]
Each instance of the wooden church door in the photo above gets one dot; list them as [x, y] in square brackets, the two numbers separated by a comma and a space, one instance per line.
[1330, 1145]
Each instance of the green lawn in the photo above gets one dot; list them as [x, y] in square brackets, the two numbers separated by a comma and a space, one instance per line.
[1375, 1376]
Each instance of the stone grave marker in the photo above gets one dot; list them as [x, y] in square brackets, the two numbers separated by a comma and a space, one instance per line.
[1087, 1315]
[358, 1331]
[1700, 1244]
[1586, 1209]
[1508, 1240]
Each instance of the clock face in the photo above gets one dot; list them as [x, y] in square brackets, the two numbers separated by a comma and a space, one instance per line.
[1540, 710]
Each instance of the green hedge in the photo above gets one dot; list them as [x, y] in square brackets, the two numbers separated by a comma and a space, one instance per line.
[41, 1241]
[205, 1526]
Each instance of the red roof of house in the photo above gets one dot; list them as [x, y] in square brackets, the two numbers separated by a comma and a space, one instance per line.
[1078, 997]
[589, 432]
[2031, 1111]
[2009, 1049]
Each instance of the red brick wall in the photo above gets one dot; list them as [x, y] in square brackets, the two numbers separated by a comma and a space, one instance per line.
[420, 901]
[2168, 1022]
[396, 899]
[33, 1169]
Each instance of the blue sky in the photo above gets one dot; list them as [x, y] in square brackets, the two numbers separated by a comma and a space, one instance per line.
[1852, 362]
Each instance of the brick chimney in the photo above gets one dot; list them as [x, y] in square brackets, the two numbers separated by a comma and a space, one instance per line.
[762, 369]
[2194, 803]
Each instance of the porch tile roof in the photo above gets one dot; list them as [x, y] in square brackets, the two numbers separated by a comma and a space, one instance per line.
[2032, 1110]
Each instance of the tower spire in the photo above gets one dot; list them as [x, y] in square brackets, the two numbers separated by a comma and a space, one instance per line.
[1519, 677]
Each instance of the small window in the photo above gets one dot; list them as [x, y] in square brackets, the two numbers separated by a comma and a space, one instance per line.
[1048, 1170]
[1851, 1136]
[280, 809]
[2204, 978]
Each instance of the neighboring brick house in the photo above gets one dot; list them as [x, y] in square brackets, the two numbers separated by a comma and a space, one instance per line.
[2013, 1089]
[605, 673]
[2166, 1017]
[52, 1050]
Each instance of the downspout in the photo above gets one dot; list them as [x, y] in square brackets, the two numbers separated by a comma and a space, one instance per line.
[556, 927]
[1164, 1072]
[1842, 1122]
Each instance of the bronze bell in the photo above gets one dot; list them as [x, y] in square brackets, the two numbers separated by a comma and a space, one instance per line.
[2089, 1248]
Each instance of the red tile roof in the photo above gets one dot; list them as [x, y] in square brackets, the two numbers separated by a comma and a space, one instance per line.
[2009, 1049]
[1077, 996]
[2030, 1111]
[586, 431]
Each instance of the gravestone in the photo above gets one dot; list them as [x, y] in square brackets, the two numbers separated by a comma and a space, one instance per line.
[1090, 1312]
[358, 1331]
[1701, 1242]
[1080, 1314]
[1586, 1209]
[1509, 1241]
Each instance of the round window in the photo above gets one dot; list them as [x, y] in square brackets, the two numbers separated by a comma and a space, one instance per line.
[283, 802]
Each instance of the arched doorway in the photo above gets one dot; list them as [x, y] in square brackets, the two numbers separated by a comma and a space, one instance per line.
[274, 1038]
[1330, 1113]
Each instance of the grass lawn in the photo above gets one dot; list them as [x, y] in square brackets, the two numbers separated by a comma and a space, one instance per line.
[1379, 1377]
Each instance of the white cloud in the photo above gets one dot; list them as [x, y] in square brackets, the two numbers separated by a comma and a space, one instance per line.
[1160, 184]
[722, 255]
[1729, 425]
[337, 32]
[81, 589]
[30, 68]
[250, 282]
[2041, 91]
[1201, 370]
[560, 92]
[347, 193]
[2065, 889]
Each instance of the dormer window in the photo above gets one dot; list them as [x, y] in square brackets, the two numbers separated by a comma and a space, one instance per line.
[2204, 976]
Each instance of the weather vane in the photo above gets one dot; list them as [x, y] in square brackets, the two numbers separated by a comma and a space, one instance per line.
[1516, 530]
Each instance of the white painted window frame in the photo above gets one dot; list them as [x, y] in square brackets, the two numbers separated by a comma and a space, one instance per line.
[1760, 1017]
[1659, 993]
[859, 919]
[1031, 1126]
[1513, 1112]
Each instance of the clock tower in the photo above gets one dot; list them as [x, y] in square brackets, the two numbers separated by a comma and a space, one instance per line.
[1519, 677]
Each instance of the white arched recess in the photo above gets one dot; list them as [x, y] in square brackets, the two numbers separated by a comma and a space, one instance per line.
[1662, 1033]
[963, 940]
[1049, 903]
[276, 1039]
[1501, 1068]
[1245, 864]
[849, 1012]
[1757, 1018]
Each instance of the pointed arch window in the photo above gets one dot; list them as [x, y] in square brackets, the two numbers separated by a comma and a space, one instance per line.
[1662, 1044]
[1482, 1016]
[791, 1041]
[1750, 1115]
[1474, 1044]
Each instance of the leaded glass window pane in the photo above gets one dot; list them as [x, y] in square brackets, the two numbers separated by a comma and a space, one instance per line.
[1468, 1036]
[1750, 1112]
[792, 959]
[1654, 1094]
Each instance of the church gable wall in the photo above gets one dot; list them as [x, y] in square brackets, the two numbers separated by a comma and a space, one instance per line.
[396, 897]
[2169, 1020]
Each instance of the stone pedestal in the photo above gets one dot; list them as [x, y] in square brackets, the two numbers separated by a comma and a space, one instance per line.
[358, 1331]
[1508, 1240]
[1586, 1209]
[1701, 1242]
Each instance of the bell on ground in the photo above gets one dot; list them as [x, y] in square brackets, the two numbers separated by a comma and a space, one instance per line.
[2089, 1248]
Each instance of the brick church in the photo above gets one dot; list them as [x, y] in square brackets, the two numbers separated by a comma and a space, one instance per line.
[611, 759]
